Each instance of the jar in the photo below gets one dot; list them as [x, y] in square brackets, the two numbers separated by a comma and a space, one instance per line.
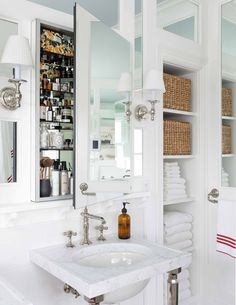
[66, 114]
[44, 137]
[58, 138]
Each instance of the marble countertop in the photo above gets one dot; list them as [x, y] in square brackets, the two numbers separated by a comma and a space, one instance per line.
[9, 296]
[94, 281]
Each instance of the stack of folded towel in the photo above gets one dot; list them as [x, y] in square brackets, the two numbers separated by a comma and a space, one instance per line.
[174, 185]
[184, 287]
[225, 178]
[178, 230]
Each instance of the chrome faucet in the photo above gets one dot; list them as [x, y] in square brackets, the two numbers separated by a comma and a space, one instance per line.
[86, 217]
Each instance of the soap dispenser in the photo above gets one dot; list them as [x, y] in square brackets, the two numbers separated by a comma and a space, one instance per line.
[124, 223]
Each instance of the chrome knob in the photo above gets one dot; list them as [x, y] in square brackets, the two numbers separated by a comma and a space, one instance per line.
[213, 195]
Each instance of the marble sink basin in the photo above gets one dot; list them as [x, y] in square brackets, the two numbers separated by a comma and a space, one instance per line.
[115, 269]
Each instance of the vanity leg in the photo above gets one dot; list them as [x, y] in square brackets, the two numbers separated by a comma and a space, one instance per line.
[95, 301]
[174, 286]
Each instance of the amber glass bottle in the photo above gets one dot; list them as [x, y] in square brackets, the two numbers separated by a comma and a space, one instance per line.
[124, 223]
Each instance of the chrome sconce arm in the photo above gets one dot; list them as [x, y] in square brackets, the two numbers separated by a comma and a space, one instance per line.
[10, 97]
[141, 111]
[128, 111]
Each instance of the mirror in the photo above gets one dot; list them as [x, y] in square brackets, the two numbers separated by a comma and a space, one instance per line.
[228, 95]
[179, 17]
[7, 128]
[138, 73]
[7, 152]
[109, 130]
[100, 9]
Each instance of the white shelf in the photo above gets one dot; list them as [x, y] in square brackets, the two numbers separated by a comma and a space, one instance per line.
[179, 112]
[229, 118]
[169, 157]
[228, 155]
[179, 201]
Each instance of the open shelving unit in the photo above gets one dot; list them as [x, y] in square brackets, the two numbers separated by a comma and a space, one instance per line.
[190, 170]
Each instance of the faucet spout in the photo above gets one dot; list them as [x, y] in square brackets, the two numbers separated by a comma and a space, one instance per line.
[86, 216]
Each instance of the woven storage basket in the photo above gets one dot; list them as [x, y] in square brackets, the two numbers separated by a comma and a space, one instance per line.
[177, 138]
[226, 102]
[226, 139]
[178, 92]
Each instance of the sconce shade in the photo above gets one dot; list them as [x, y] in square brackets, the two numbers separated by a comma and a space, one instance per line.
[154, 81]
[124, 83]
[17, 52]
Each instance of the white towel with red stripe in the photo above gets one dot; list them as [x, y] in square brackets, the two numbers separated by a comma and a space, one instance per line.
[226, 228]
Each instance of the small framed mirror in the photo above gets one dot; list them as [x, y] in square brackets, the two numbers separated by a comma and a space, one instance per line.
[8, 132]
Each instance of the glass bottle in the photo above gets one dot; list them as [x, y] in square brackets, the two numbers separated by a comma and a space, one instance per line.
[44, 137]
[58, 138]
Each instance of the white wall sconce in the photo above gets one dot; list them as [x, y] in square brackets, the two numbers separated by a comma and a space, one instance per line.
[16, 54]
[124, 87]
[154, 85]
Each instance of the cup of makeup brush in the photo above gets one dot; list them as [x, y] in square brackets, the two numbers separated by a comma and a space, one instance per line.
[45, 188]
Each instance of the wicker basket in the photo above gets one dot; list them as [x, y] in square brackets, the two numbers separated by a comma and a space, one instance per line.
[177, 138]
[178, 92]
[226, 102]
[226, 139]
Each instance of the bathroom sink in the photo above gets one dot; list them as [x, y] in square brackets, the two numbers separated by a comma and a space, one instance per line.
[115, 269]
[112, 256]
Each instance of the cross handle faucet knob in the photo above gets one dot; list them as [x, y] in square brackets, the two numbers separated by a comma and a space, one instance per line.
[70, 234]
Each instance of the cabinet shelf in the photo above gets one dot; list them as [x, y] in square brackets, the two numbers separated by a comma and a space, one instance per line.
[54, 198]
[228, 155]
[179, 112]
[56, 149]
[57, 91]
[228, 118]
[52, 53]
[179, 201]
[169, 157]
[55, 122]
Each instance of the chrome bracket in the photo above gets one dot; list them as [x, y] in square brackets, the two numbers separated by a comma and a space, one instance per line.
[69, 289]
[174, 286]
[213, 195]
[95, 300]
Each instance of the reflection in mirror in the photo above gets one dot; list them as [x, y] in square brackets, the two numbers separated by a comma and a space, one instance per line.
[109, 129]
[105, 10]
[178, 17]
[7, 29]
[138, 74]
[228, 94]
[7, 152]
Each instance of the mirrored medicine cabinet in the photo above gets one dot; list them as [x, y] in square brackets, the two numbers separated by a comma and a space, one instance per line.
[82, 134]
[228, 109]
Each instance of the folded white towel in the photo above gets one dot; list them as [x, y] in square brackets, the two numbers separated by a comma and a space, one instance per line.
[175, 192]
[172, 175]
[184, 275]
[177, 228]
[174, 186]
[184, 284]
[188, 301]
[171, 164]
[178, 237]
[174, 180]
[172, 170]
[174, 218]
[183, 245]
[175, 197]
[226, 227]
[184, 294]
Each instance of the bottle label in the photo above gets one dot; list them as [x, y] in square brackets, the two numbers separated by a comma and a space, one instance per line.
[42, 112]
